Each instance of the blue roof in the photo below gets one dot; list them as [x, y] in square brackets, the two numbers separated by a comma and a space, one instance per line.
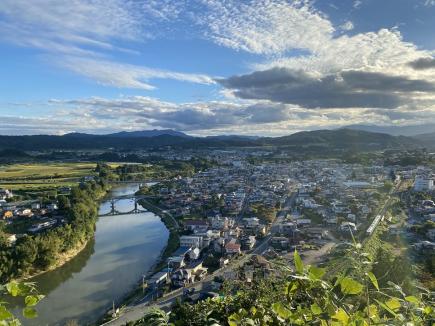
[181, 251]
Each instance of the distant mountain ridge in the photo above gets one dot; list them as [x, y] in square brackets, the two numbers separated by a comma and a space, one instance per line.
[322, 139]
[149, 133]
[134, 134]
[410, 130]
[427, 139]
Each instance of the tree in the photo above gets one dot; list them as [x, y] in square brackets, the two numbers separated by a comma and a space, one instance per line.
[155, 317]
[306, 297]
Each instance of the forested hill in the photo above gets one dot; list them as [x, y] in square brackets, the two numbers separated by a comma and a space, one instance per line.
[340, 138]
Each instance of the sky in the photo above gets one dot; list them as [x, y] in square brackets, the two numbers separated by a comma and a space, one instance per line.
[211, 67]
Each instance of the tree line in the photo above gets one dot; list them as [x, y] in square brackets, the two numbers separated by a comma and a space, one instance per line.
[32, 253]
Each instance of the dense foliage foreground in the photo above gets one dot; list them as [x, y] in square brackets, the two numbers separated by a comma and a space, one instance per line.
[305, 297]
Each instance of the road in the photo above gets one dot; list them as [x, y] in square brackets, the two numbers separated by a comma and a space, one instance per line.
[137, 311]
[162, 211]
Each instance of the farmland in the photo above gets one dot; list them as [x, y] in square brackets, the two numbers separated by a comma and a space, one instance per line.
[43, 176]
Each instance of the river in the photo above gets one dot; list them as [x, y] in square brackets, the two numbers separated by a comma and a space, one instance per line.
[125, 247]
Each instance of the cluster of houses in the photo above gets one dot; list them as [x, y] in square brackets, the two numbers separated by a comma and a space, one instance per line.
[39, 217]
[216, 237]
[225, 189]
[336, 194]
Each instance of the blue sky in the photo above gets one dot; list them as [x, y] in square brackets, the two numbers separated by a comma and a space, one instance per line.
[215, 67]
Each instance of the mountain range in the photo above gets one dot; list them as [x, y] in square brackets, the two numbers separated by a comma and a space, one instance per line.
[345, 138]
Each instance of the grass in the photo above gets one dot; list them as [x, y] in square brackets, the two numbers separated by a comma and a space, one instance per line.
[45, 170]
[40, 176]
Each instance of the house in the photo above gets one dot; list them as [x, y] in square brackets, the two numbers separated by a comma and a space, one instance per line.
[251, 222]
[232, 248]
[195, 225]
[221, 223]
[36, 205]
[158, 279]
[191, 241]
[188, 274]
[5, 194]
[302, 222]
[26, 212]
[248, 242]
[7, 214]
[423, 183]
[52, 207]
[280, 242]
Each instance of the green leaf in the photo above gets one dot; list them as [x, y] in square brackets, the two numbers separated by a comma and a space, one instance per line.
[350, 286]
[373, 279]
[13, 288]
[386, 308]
[393, 304]
[316, 273]
[32, 300]
[412, 299]
[30, 312]
[281, 311]
[372, 311]
[299, 265]
[4, 313]
[342, 316]
[315, 309]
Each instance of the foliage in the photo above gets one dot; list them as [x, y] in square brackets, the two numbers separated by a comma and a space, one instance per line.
[304, 297]
[30, 298]
[264, 213]
[39, 252]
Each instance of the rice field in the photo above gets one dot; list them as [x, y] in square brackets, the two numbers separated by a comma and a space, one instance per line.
[43, 175]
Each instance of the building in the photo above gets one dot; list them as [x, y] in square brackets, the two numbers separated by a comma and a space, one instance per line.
[232, 248]
[158, 280]
[5, 194]
[195, 225]
[247, 243]
[191, 241]
[423, 183]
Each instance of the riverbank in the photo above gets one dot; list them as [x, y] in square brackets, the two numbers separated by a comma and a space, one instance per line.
[61, 260]
[64, 257]
[171, 225]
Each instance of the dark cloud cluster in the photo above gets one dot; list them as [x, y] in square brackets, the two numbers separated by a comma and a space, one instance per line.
[423, 64]
[348, 89]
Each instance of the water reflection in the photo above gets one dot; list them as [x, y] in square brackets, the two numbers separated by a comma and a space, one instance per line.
[124, 248]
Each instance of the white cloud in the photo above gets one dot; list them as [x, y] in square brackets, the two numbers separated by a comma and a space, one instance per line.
[347, 26]
[264, 27]
[104, 115]
[125, 75]
[357, 4]
[79, 34]
[382, 51]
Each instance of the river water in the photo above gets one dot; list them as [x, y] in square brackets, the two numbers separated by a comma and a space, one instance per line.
[125, 247]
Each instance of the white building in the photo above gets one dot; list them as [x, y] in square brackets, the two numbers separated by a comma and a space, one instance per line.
[423, 183]
[191, 241]
[5, 194]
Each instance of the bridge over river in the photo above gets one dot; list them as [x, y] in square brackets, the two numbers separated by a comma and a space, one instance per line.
[136, 210]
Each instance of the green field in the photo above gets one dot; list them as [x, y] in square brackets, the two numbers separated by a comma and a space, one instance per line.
[43, 175]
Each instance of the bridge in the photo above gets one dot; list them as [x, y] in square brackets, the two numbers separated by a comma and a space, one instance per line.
[136, 210]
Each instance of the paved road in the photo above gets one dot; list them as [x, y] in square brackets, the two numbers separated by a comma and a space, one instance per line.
[137, 311]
